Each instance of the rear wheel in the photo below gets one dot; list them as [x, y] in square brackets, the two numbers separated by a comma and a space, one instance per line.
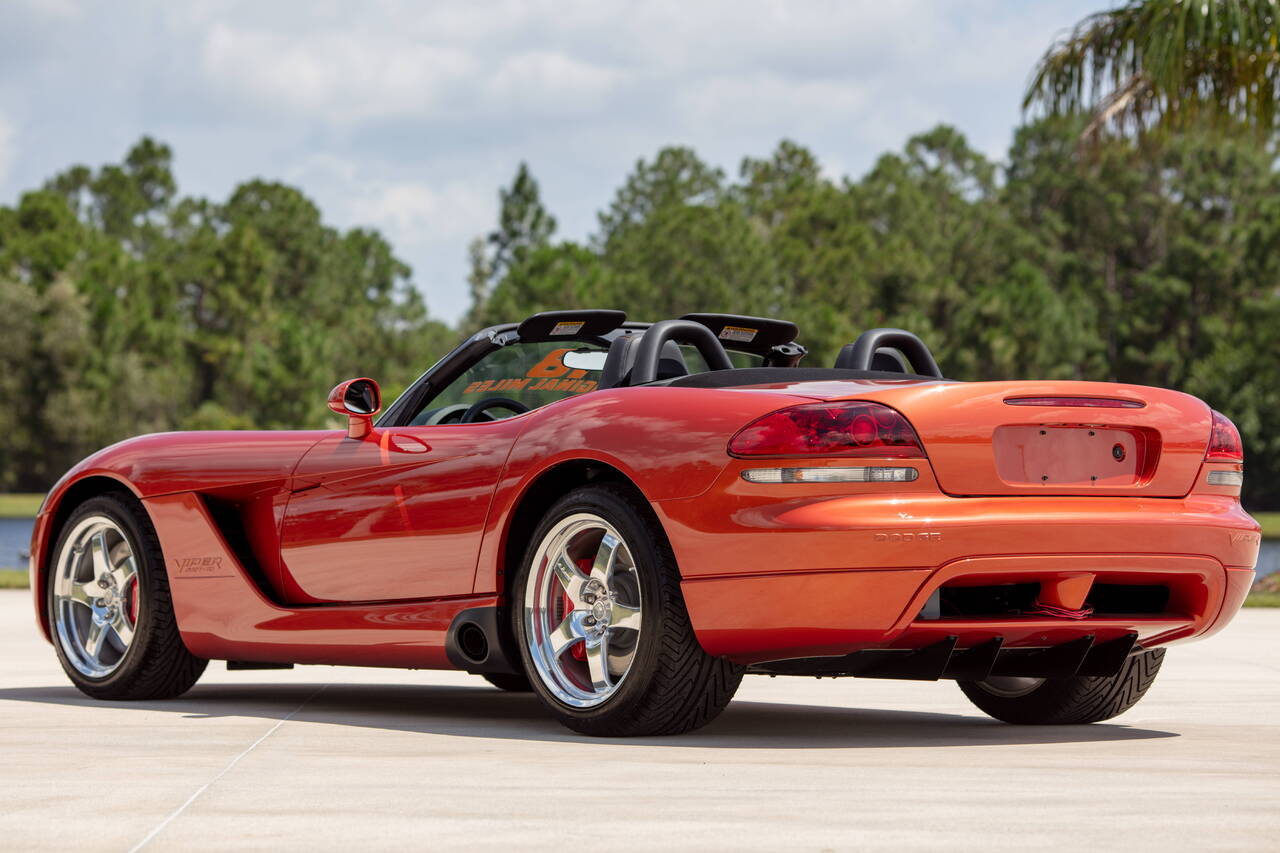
[602, 627]
[1058, 701]
[110, 608]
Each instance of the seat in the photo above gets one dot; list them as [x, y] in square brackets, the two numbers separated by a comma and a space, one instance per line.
[885, 359]
[622, 357]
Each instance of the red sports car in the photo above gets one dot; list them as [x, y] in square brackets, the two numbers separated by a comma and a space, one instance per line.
[627, 518]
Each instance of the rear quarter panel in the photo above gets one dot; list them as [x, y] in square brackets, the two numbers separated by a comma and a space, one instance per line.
[670, 442]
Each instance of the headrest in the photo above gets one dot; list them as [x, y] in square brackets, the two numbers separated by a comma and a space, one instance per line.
[622, 357]
[885, 358]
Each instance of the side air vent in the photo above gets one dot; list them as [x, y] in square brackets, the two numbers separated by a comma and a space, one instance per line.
[229, 518]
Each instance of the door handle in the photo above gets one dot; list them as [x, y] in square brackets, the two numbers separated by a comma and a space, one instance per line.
[401, 443]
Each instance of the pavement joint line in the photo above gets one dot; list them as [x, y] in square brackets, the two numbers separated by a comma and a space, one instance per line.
[223, 772]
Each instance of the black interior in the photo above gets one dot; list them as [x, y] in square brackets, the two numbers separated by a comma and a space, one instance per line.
[622, 356]
[878, 354]
[473, 414]
[655, 355]
[771, 375]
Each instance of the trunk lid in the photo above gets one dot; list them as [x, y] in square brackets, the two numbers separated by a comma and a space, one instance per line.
[980, 444]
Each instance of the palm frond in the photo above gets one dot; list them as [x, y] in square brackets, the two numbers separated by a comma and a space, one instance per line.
[1167, 65]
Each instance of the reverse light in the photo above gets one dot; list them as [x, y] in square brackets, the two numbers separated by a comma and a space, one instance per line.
[1224, 441]
[1076, 402]
[867, 474]
[1226, 478]
[829, 429]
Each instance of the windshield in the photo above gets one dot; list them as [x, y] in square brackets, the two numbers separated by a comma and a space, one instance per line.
[529, 374]
[526, 375]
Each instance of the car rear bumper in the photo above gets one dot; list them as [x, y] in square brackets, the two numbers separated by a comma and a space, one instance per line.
[771, 573]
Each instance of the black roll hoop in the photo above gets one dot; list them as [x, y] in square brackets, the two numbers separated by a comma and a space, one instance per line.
[649, 348]
[859, 354]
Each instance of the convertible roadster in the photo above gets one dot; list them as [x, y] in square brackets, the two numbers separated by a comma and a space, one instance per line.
[626, 518]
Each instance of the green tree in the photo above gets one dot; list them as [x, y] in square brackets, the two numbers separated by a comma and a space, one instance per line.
[134, 309]
[818, 245]
[523, 222]
[524, 227]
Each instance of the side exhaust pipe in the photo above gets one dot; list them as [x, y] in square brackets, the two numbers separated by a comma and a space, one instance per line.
[477, 642]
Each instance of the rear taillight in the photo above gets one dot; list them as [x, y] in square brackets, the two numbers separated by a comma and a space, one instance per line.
[829, 429]
[1224, 441]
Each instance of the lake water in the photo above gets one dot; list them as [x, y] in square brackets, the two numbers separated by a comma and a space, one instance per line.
[15, 539]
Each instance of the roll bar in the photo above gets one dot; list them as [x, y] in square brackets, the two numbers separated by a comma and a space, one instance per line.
[859, 354]
[649, 348]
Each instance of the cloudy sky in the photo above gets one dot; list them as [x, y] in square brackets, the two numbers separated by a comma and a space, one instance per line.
[407, 116]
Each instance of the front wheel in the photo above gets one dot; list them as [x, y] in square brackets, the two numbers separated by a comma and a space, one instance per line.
[1059, 701]
[602, 627]
[110, 608]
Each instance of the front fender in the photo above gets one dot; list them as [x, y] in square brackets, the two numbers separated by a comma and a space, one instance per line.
[160, 464]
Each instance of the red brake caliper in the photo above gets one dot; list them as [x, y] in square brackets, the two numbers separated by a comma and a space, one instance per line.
[579, 649]
[133, 602]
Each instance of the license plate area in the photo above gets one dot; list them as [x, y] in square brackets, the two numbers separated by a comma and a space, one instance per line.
[1058, 455]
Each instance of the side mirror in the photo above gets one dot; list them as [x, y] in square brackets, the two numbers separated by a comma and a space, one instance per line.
[359, 400]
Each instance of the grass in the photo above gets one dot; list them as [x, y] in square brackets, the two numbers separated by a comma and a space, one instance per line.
[13, 580]
[1270, 522]
[19, 505]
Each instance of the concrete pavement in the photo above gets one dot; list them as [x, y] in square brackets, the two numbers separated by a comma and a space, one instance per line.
[332, 758]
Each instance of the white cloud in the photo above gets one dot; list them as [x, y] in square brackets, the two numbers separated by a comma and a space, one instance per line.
[549, 81]
[418, 212]
[333, 75]
[63, 10]
[408, 116]
[8, 148]
[770, 100]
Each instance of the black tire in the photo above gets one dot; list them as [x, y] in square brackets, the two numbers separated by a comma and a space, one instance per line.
[1065, 701]
[508, 681]
[673, 686]
[156, 664]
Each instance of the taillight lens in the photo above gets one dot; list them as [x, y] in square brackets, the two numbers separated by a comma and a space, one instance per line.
[1224, 441]
[829, 429]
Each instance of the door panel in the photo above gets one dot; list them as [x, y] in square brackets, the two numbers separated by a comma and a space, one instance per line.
[396, 515]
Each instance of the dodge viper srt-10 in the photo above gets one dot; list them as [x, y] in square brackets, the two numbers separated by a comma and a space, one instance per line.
[626, 518]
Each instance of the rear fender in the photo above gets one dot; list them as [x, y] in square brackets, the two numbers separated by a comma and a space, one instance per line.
[669, 443]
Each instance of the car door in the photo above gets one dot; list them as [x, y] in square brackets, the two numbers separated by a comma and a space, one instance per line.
[398, 514]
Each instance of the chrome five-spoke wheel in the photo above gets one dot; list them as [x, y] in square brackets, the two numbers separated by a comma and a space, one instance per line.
[95, 596]
[582, 610]
[601, 625]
